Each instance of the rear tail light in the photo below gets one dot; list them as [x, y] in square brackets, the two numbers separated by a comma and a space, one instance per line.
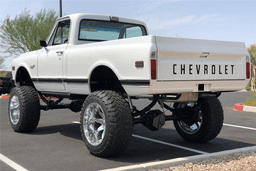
[153, 69]
[248, 68]
[153, 65]
[248, 73]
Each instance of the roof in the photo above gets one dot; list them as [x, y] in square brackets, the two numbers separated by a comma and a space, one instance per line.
[101, 17]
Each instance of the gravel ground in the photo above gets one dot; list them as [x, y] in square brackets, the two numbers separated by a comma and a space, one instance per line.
[235, 162]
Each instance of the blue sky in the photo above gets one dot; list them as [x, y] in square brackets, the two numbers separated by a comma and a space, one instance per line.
[208, 19]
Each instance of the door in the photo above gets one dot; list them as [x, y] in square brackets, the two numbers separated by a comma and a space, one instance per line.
[50, 61]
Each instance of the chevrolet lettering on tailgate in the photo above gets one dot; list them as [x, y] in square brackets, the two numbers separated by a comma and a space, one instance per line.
[205, 69]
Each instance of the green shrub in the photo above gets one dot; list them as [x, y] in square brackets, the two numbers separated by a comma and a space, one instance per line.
[251, 102]
[3, 75]
[248, 87]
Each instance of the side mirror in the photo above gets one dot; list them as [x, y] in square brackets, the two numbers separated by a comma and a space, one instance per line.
[43, 43]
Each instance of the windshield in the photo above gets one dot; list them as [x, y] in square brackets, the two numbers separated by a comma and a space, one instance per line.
[107, 30]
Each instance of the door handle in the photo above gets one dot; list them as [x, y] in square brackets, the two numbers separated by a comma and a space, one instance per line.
[59, 52]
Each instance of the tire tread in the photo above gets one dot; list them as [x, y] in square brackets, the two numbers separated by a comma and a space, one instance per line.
[213, 118]
[29, 109]
[120, 123]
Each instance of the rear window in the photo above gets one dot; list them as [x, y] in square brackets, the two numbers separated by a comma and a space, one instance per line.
[108, 30]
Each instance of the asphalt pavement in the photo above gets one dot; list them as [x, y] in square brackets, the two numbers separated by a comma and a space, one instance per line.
[56, 144]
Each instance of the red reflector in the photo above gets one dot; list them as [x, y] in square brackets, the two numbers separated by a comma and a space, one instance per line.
[248, 70]
[1, 82]
[139, 64]
[153, 69]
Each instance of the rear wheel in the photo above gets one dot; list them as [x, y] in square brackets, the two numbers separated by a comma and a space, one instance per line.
[200, 123]
[24, 109]
[106, 123]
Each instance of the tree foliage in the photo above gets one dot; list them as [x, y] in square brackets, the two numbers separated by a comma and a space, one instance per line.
[252, 51]
[24, 32]
[2, 59]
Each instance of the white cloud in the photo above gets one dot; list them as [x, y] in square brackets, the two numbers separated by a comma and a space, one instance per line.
[13, 8]
[155, 23]
[207, 17]
[153, 5]
[158, 17]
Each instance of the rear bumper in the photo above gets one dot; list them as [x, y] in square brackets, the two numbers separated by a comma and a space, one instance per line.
[160, 87]
[170, 87]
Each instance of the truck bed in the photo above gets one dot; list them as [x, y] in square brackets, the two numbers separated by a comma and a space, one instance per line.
[193, 65]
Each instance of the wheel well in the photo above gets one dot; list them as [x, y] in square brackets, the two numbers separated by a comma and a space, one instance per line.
[103, 78]
[23, 77]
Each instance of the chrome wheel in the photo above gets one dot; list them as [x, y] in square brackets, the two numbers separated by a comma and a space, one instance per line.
[192, 128]
[14, 110]
[94, 124]
[201, 121]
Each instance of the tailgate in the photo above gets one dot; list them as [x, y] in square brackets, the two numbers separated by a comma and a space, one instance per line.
[191, 59]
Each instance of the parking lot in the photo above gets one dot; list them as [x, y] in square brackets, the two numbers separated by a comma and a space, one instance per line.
[56, 144]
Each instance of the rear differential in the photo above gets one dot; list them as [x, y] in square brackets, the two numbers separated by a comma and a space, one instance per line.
[154, 121]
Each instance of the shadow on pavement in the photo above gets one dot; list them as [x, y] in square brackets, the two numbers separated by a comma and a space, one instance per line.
[68, 130]
[142, 151]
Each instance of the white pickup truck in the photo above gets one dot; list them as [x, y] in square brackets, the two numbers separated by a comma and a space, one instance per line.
[101, 63]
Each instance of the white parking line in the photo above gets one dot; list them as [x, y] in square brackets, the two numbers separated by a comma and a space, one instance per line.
[169, 144]
[181, 147]
[12, 163]
[161, 142]
[180, 161]
[237, 126]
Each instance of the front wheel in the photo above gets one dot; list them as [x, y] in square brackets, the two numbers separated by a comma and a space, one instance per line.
[106, 123]
[24, 109]
[200, 123]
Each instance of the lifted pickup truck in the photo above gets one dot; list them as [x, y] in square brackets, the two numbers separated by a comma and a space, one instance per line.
[101, 63]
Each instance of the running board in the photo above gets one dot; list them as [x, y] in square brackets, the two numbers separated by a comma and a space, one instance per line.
[56, 94]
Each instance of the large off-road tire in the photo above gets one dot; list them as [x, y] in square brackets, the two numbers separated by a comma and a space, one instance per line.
[203, 123]
[24, 109]
[106, 123]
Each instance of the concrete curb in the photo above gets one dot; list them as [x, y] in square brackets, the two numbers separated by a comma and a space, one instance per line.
[180, 161]
[4, 97]
[242, 107]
